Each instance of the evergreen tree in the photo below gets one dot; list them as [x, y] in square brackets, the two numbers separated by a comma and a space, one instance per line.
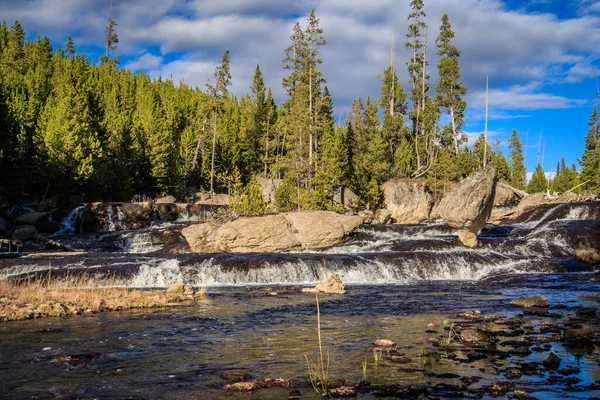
[393, 104]
[590, 160]
[566, 178]
[111, 39]
[538, 182]
[70, 46]
[450, 89]
[218, 92]
[517, 171]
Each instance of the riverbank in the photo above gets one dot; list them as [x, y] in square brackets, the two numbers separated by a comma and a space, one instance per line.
[20, 300]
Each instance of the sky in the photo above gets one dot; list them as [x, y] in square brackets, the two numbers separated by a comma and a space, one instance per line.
[542, 57]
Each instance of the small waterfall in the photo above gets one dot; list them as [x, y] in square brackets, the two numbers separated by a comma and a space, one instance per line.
[109, 219]
[113, 225]
[140, 242]
[67, 225]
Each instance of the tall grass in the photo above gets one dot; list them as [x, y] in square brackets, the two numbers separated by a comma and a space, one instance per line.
[33, 297]
[319, 372]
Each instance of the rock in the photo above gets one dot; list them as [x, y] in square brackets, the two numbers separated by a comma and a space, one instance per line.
[343, 392]
[477, 338]
[30, 218]
[506, 194]
[332, 285]
[342, 195]
[588, 256]
[24, 233]
[468, 206]
[407, 201]
[586, 312]
[383, 216]
[272, 233]
[166, 199]
[581, 336]
[269, 187]
[3, 224]
[552, 362]
[535, 301]
[384, 343]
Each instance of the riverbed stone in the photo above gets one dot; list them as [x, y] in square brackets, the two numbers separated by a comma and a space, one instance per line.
[581, 336]
[587, 255]
[468, 206]
[552, 362]
[526, 302]
[407, 201]
[332, 285]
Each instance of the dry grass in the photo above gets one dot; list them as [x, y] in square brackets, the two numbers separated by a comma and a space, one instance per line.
[72, 296]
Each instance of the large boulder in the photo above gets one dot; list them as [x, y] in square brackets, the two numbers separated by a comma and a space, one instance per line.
[468, 206]
[269, 187]
[587, 255]
[272, 233]
[3, 224]
[506, 194]
[31, 218]
[166, 199]
[24, 233]
[407, 201]
[343, 196]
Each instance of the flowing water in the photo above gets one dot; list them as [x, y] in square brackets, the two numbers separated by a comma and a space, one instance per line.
[399, 279]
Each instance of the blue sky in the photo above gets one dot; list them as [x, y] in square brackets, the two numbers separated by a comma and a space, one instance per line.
[542, 56]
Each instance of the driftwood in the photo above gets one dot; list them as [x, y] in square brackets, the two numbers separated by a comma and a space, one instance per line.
[53, 243]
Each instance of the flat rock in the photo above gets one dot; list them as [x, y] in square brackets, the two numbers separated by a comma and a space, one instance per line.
[535, 301]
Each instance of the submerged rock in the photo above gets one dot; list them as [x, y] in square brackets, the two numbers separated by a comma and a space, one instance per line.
[407, 201]
[272, 233]
[527, 302]
[332, 285]
[468, 206]
[588, 256]
[552, 362]
[579, 336]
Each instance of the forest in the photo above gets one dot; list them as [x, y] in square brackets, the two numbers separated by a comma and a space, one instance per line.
[74, 129]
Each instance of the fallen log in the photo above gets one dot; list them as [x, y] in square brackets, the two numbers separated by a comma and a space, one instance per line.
[53, 243]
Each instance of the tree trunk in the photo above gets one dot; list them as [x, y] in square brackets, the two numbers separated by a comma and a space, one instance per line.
[214, 144]
[454, 130]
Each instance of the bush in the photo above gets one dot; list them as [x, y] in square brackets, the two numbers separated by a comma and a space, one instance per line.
[251, 202]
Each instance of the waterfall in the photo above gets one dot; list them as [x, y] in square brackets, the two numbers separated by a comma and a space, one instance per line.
[67, 225]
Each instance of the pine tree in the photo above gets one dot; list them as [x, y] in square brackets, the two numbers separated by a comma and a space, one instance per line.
[590, 160]
[517, 171]
[566, 178]
[393, 104]
[218, 92]
[450, 89]
[538, 182]
[70, 46]
[111, 39]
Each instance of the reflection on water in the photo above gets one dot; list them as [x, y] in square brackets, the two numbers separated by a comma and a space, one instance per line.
[180, 352]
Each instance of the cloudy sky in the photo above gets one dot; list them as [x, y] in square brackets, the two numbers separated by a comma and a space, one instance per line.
[541, 56]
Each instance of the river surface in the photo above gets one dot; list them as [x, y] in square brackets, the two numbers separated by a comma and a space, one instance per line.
[399, 280]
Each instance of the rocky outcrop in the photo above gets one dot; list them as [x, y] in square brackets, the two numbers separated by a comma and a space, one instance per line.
[468, 206]
[506, 195]
[269, 187]
[343, 196]
[166, 199]
[407, 201]
[272, 233]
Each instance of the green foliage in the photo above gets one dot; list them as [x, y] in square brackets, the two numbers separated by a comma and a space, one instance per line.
[286, 195]
[566, 178]
[590, 160]
[251, 202]
[517, 171]
[538, 182]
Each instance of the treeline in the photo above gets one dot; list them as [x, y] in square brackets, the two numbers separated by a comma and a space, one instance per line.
[74, 130]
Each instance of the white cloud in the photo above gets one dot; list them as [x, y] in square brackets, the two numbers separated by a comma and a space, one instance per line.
[513, 47]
